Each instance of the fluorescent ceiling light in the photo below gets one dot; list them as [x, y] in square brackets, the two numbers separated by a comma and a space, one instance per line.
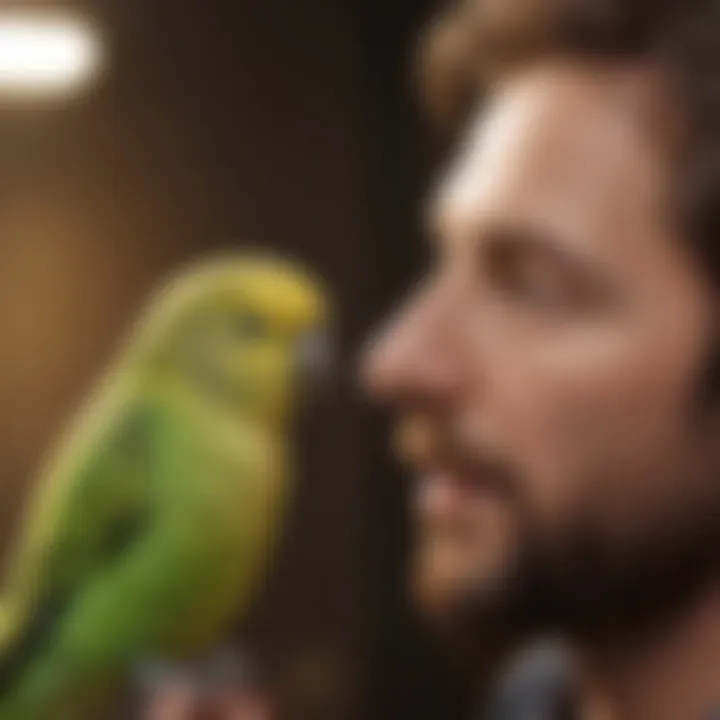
[46, 53]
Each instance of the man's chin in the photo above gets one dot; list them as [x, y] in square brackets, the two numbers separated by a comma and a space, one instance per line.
[469, 621]
[476, 593]
[449, 601]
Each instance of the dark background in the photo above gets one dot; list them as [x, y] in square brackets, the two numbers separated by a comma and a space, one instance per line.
[283, 123]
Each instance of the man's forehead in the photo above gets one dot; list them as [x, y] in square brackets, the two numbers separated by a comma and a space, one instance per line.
[557, 125]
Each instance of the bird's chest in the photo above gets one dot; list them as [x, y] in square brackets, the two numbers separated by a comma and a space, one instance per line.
[233, 512]
[237, 522]
[237, 496]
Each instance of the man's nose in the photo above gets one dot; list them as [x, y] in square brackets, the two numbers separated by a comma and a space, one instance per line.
[413, 358]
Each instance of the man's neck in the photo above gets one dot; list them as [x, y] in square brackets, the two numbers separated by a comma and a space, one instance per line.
[671, 673]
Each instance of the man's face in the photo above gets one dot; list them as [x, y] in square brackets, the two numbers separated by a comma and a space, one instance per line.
[546, 370]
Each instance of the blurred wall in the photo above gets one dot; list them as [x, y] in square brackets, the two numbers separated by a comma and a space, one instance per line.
[280, 123]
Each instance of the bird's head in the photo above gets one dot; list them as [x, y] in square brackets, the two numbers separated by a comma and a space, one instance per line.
[248, 331]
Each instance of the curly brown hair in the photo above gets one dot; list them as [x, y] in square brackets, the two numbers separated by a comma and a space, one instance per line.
[473, 41]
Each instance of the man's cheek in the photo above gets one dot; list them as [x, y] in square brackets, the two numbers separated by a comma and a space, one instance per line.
[556, 442]
[569, 412]
[592, 461]
[523, 420]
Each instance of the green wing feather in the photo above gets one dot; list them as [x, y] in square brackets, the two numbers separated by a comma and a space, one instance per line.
[90, 506]
[153, 517]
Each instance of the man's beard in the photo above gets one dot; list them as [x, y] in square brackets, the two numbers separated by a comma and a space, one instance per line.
[588, 593]
[585, 594]
[581, 583]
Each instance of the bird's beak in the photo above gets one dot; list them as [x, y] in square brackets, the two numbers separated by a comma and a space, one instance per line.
[315, 361]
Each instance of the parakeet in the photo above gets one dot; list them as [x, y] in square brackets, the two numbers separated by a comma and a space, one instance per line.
[152, 521]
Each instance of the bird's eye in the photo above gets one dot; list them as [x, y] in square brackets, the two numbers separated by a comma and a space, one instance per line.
[250, 327]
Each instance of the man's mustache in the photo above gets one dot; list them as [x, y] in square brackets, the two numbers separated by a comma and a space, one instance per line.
[424, 443]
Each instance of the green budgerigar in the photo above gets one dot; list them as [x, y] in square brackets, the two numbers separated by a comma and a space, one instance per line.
[152, 523]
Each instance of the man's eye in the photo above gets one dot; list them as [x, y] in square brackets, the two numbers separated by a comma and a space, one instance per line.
[534, 272]
[534, 282]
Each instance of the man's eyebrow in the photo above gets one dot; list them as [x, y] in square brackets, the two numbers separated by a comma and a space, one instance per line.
[503, 242]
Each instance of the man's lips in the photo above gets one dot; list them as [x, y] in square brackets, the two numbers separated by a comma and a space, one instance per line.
[442, 495]
[423, 445]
